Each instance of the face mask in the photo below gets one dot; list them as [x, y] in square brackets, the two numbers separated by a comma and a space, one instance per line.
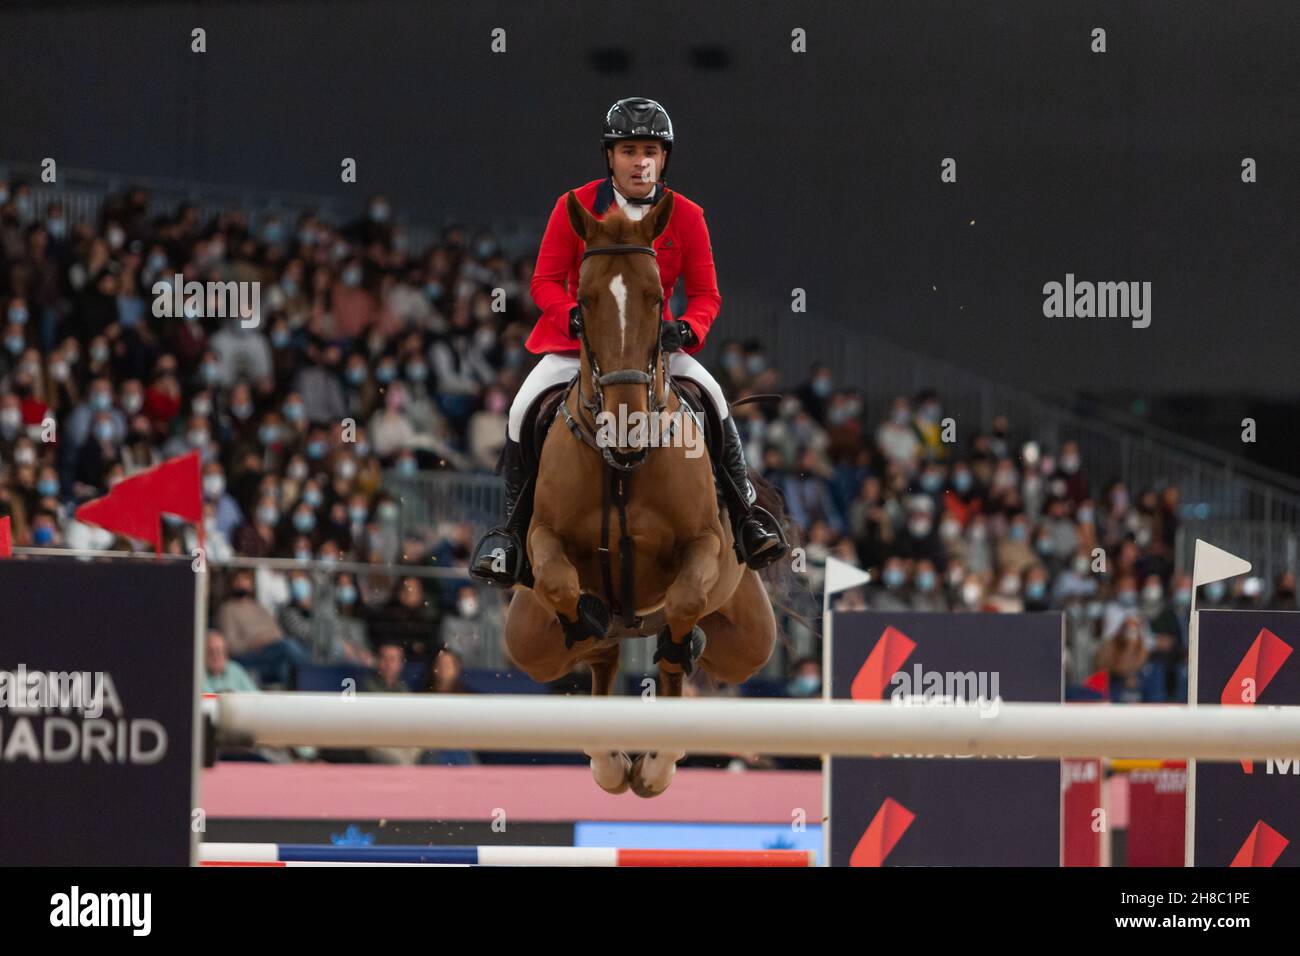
[346, 595]
[352, 277]
[42, 536]
[293, 412]
[58, 228]
[755, 364]
[328, 559]
[157, 262]
[24, 456]
[1035, 590]
[241, 411]
[388, 512]
[925, 581]
[132, 402]
[1016, 532]
[1009, 586]
[198, 438]
[950, 530]
[48, 487]
[300, 588]
[379, 211]
[316, 450]
[931, 481]
[805, 685]
[288, 287]
[104, 431]
[297, 471]
[101, 401]
[1152, 595]
[268, 515]
[823, 386]
[363, 449]
[1045, 547]
[272, 233]
[919, 528]
[202, 408]
[407, 466]
[1215, 590]
[433, 290]
[358, 515]
[210, 372]
[357, 375]
[467, 607]
[15, 343]
[307, 237]
[894, 578]
[1069, 465]
[386, 374]
[214, 485]
[1127, 598]
[977, 533]
[268, 434]
[303, 554]
[1085, 516]
[313, 497]
[305, 523]
[970, 595]
[347, 469]
[18, 314]
[899, 417]
[11, 418]
[961, 481]
[1182, 597]
[416, 372]
[279, 338]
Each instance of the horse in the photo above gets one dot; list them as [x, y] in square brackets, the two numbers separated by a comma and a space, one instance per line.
[679, 578]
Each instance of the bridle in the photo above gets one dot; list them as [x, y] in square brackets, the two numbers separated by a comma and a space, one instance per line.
[595, 405]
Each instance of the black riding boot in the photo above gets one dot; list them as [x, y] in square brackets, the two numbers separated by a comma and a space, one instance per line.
[501, 558]
[759, 538]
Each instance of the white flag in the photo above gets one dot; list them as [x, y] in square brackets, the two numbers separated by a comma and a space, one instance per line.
[1215, 564]
[841, 575]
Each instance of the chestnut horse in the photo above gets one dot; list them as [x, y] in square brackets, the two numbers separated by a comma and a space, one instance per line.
[675, 567]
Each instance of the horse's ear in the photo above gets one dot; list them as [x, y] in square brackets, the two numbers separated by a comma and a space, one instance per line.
[660, 213]
[583, 222]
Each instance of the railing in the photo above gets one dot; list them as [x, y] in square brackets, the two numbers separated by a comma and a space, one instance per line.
[82, 193]
[1214, 486]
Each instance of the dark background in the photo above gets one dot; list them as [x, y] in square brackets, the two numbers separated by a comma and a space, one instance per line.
[818, 170]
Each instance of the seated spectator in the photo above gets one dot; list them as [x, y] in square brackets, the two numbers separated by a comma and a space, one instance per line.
[254, 639]
[409, 620]
[221, 674]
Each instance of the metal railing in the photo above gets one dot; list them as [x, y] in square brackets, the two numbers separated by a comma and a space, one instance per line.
[1214, 486]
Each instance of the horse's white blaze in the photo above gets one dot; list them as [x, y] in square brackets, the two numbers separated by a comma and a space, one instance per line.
[618, 288]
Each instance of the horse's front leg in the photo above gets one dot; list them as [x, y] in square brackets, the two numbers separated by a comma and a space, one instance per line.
[680, 644]
[556, 585]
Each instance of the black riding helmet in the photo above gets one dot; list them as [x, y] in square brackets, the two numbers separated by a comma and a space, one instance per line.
[636, 117]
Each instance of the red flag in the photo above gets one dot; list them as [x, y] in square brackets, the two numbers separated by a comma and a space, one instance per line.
[6, 539]
[135, 506]
[1100, 682]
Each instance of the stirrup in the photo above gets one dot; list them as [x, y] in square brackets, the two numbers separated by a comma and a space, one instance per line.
[776, 549]
[517, 571]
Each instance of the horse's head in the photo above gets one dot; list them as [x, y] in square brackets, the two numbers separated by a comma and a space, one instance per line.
[621, 299]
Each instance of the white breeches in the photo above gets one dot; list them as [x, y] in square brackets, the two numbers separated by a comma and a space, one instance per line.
[557, 369]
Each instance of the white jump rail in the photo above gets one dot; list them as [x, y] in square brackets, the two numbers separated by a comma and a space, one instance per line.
[845, 728]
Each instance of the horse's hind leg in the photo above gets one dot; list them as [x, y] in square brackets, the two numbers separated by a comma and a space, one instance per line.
[610, 768]
[684, 604]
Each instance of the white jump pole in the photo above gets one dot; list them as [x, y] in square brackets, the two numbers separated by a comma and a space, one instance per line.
[513, 722]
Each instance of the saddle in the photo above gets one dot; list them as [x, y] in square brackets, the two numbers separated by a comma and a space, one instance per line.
[544, 410]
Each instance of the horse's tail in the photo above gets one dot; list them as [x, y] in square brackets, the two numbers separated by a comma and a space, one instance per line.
[789, 594]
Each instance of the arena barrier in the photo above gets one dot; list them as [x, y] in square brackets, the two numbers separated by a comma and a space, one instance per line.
[307, 854]
[791, 727]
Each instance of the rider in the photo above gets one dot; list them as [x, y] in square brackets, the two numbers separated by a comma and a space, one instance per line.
[638, 138]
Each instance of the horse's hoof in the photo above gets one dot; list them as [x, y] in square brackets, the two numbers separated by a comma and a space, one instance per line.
[593, 621]
[637, 779]
[612, 772]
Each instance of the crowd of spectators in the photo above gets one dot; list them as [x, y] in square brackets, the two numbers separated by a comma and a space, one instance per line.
[365, 356]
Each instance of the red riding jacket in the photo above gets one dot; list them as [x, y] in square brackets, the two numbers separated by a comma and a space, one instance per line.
[683, 250]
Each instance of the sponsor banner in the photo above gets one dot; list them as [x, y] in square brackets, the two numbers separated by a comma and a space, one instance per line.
[98, 704]
[1248, 814]
[954, 809]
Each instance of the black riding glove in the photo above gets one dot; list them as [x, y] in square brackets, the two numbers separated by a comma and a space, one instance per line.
[676, 335]
[575, 323]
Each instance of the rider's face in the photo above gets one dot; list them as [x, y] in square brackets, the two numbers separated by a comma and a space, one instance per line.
[637, 164]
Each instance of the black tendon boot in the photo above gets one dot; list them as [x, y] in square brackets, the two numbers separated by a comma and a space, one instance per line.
[759, 537]
[501, 558]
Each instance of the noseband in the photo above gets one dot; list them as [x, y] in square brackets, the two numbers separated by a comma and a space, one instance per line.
[595, 405]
